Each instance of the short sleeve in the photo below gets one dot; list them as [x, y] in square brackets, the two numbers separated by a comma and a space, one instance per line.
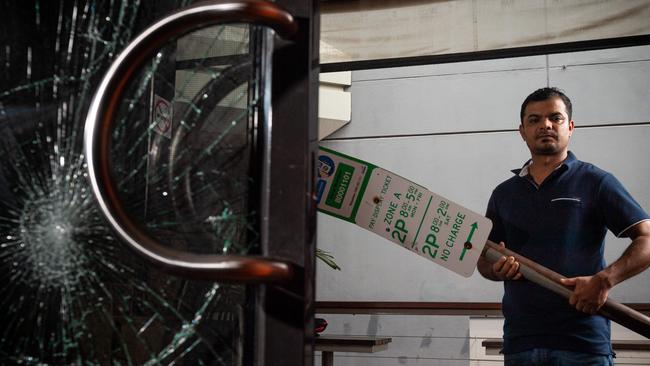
[498, 232]
[618, 208]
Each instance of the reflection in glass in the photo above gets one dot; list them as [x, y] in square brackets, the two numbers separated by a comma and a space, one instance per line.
[182, 153]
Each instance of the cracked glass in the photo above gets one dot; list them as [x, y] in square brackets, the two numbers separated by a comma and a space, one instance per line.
[182, 153]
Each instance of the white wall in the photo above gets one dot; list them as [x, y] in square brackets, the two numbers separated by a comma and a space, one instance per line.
[381, 29]
[452, 129]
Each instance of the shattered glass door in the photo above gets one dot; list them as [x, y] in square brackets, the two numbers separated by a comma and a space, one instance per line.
[183, 155]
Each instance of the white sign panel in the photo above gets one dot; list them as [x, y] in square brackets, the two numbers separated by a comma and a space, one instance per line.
[401, 211]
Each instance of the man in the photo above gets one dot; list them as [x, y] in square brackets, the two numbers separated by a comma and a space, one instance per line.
[556, 211]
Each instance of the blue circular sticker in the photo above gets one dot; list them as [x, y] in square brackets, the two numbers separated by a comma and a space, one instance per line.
[325, 166]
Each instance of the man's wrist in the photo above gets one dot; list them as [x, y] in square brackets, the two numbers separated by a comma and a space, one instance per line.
[605, 278]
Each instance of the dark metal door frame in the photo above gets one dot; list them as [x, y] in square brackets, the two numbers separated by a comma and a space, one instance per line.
[285, 314]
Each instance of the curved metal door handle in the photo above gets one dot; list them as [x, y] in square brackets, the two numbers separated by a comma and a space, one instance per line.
[99, 124]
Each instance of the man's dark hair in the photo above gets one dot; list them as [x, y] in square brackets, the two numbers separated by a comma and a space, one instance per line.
[546, 94]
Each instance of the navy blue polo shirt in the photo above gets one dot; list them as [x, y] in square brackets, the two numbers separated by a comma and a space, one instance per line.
[560, 224]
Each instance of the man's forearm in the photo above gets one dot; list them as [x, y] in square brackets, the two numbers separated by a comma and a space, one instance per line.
[634, 260]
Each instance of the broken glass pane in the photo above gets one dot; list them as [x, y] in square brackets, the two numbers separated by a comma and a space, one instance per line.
[182, 153]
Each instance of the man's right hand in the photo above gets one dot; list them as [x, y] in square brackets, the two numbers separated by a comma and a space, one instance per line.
[506, 268]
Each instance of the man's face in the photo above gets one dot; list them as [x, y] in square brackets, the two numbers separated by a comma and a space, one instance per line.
[546, 127]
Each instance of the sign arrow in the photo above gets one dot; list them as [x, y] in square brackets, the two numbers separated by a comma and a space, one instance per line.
[468, 241]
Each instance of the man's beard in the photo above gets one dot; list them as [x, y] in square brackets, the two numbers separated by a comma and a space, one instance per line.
[550, 149]
[546, 148]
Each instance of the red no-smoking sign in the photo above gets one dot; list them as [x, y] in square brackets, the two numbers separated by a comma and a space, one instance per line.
[162, 116]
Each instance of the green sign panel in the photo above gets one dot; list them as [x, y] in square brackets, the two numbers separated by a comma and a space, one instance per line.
[340, 185]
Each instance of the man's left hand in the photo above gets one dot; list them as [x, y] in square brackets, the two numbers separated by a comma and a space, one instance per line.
[589, 292]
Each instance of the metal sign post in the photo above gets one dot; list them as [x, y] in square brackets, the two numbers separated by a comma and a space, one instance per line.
[550, 280]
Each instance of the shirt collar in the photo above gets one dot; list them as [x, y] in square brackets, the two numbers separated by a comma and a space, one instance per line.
[567, 164]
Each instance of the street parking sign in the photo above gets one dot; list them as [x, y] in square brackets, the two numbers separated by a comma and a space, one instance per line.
[401, 211]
